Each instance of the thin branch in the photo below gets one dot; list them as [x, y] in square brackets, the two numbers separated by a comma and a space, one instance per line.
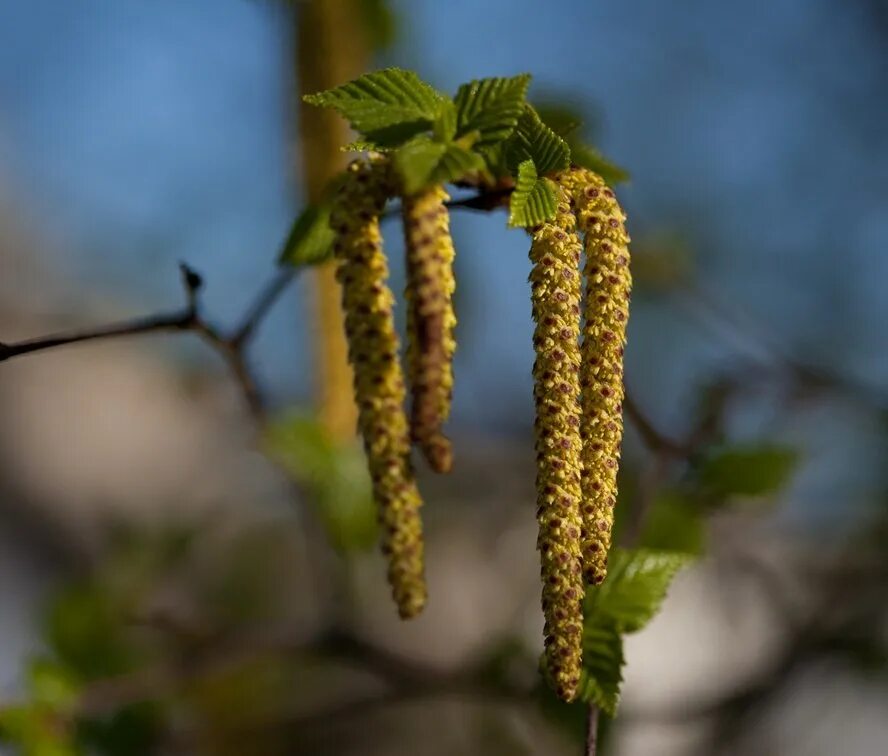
[592, 730]
[232, 347]
[653, 438]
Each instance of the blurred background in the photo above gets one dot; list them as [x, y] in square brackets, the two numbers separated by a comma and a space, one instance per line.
[189, 578]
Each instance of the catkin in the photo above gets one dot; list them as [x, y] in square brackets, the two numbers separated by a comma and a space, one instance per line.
[555, 286]
[378, 380]
[606, 309]
[430, 320]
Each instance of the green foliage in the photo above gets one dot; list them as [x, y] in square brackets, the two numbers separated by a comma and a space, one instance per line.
[490, 107]
[674, 522]
[423, 161]
[310, 240]
[336, 478]
[635, 587]
[749, 470]
[387, 107]
[533, 140]
[603, 662]
[533, 200]
[628, 599]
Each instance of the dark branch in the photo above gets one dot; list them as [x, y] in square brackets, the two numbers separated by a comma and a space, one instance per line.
[232, 347]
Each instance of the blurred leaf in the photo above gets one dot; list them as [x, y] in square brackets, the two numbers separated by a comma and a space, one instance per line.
[562, 118]
[311, 239]
[36, 730]
[635, 587]
[588, 157]
[422, 162]
[490, 107]
[533, 140]
[380, 22]
[51, 684]
[533, 200]
[336, 477]
[747, 470]
[84, 629]
[133, 731]
[603, 662]
[673, 523]
[387, 107]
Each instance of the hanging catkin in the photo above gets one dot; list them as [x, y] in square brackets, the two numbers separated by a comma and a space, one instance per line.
[430, 320]
[555, 286]
[606, 309]
[378, 380]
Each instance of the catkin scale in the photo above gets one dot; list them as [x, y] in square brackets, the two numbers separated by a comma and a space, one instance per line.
[430, 320]
[606, 309]
[378, 381]
[555, 287]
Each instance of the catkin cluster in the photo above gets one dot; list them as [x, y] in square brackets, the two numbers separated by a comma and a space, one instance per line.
[555, 286]
[430, 320]
[578, 393]
[378, 380]
[606, 307]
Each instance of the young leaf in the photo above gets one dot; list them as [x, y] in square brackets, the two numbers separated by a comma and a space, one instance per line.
[533, 200]
[635, 587]
[603, 662]
[533, 140]
[423, 161]
[674, 523]
[335, 476]
[562, 118]
[388, 107]
[311, 239]
[491, 107]
[748, 470]
[588, 157]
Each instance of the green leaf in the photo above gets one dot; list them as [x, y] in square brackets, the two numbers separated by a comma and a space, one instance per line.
[51, 683]
[387, 107]
[562, 118]
[673, 523]
[310, 240]
[603, 662]
[335, 476]
[423, 161]
[444, 127]
[588, 157]
[533, 140]
[635, 587]
[747, 470]
[491, 107]
[533, 201]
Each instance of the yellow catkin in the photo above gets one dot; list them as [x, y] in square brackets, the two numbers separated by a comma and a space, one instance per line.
[378, 381]
[430, 320]
[555, 285]
[606, 310]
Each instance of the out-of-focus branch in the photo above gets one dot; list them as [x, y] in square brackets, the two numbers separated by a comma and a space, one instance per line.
[232, 347]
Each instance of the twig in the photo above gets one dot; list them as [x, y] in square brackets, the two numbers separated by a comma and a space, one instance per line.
[652, 437]
[232, 347]
[592, 730]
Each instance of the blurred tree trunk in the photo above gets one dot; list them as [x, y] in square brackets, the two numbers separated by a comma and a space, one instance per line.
[331, 48]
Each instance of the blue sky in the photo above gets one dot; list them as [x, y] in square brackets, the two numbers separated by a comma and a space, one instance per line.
[140, 134]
